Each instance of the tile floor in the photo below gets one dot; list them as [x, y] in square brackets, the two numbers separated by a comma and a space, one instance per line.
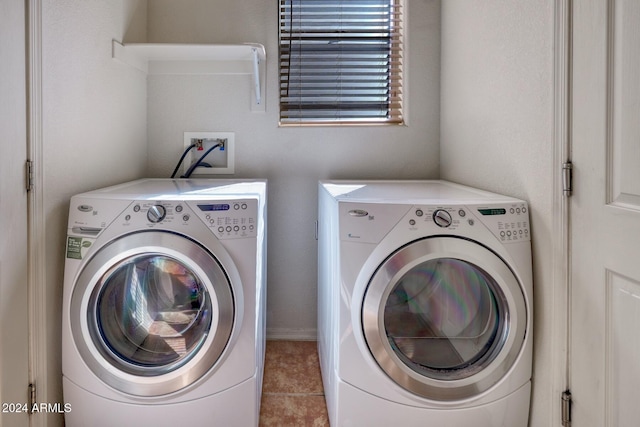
[292, 393]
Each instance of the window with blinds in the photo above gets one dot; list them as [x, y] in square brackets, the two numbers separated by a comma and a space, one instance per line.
[340, 61]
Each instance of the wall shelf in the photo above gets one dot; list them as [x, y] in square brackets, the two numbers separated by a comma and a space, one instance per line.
[199, 59]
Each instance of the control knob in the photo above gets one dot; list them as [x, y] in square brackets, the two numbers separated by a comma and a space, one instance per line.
[442, 218]
[156, 213]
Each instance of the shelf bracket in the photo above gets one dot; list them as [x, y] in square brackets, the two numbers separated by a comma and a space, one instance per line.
[259, 70]
[256, 75]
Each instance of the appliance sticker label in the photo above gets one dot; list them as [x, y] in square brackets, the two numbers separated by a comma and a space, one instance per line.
[77, 247]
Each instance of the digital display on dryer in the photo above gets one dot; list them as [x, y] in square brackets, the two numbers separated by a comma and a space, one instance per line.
[492, 211]
[214, 207]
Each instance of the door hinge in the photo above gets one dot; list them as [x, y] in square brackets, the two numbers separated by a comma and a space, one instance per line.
[32, 397]
[566, 408]
[567, 179]
[29, 175]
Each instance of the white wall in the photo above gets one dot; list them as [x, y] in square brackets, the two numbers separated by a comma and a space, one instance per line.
[93, 130]
[292, 159]
[497, 132]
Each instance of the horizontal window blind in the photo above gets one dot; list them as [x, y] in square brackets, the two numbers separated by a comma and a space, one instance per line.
[340, 61]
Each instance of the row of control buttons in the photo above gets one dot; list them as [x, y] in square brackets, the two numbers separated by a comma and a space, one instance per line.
[228, 220]
[513, 230]
[155, 213]
[441, 217]
[518, 210]
[513, 233]
[228, 225]
[461, 212]
[185, 218]
[235, 228]
[179, 208]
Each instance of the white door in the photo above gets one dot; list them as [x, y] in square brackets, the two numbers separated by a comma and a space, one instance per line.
[605, 214]
[13, 214]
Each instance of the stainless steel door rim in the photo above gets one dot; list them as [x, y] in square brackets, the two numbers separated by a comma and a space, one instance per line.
[461, 312]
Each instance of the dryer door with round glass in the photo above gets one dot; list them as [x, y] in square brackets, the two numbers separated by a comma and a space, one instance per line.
[151, 312]
[444, 317]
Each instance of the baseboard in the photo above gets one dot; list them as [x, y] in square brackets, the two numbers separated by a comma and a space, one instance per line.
[292, 334]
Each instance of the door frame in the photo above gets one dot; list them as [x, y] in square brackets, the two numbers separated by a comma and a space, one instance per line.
[560, 230]
[38, 342]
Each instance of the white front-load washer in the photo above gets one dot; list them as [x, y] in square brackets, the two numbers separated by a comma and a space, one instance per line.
[425, 305]
[164, 304]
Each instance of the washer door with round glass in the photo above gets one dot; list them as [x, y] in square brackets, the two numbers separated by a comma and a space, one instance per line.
[444, 317]
[151, 313]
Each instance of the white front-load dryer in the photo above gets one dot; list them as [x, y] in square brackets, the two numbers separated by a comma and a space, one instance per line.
[425, 305]
[164, 304]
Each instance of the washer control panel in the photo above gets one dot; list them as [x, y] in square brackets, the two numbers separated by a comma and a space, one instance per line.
[226, 218]
[229, 219]
[508, 222]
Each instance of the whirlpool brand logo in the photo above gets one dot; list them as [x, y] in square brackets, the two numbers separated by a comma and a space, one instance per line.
[361, 213]
[353, 236]
[358, 213]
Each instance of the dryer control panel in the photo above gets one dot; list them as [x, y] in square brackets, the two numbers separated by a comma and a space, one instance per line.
[509, 222]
